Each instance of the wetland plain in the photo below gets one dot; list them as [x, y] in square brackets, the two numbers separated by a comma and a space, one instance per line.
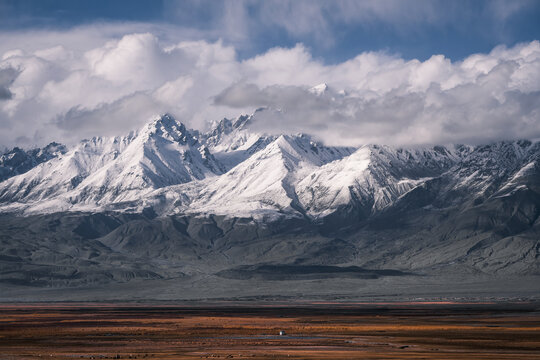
[440, 330]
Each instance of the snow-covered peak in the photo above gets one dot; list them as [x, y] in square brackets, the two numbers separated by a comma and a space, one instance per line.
[234, 170]
[370, 179]
[232, 141]
[108, 170]
[303, 148]
[219, 134]
[319, 89]
[167, 127]
[18, 161]
[265, 181]
[493, 169]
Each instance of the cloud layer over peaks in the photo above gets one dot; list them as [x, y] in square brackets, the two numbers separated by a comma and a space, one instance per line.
[375, 98]
[69, 91]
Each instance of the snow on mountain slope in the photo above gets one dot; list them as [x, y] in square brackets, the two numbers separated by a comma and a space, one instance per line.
[170, 169]
[231, 141]
[105, 170]
[319, 89]
[372, 178]
[18, 161]
[163, 153]
[492, 170]
[266, 180]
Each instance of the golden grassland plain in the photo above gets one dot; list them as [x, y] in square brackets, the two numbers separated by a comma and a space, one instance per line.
[251, 331]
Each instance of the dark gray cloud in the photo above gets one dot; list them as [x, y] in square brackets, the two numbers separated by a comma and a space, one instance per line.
[242, 95]
[7, 76]
[109, 119]
[470, 113]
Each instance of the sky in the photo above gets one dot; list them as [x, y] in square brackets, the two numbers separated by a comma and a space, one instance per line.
[397, 72]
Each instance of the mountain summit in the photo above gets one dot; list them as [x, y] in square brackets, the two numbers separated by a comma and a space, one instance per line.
[231, 170]
[219, 212]
[108, 170]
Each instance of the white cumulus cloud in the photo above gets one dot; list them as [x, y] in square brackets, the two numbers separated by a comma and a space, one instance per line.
[113, 83]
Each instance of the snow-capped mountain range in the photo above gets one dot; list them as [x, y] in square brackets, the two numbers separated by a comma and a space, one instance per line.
[234, 171]
[218, 213]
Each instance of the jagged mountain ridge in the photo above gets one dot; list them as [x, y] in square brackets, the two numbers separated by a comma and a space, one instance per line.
[215, 211]
[267, 179]
[234, 171]
[232, 142]
[373, 177]
[107, 170]
[18, 161]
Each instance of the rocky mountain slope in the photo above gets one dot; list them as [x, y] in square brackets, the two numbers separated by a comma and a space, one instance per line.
[17, 161]
[110, 170]
[167, 205]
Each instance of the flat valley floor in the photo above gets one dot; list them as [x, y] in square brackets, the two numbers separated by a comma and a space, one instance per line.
[251, 331]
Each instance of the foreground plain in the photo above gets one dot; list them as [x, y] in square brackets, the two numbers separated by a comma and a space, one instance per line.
[242, 331]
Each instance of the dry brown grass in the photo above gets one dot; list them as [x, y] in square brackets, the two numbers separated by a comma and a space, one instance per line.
[110, 331]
